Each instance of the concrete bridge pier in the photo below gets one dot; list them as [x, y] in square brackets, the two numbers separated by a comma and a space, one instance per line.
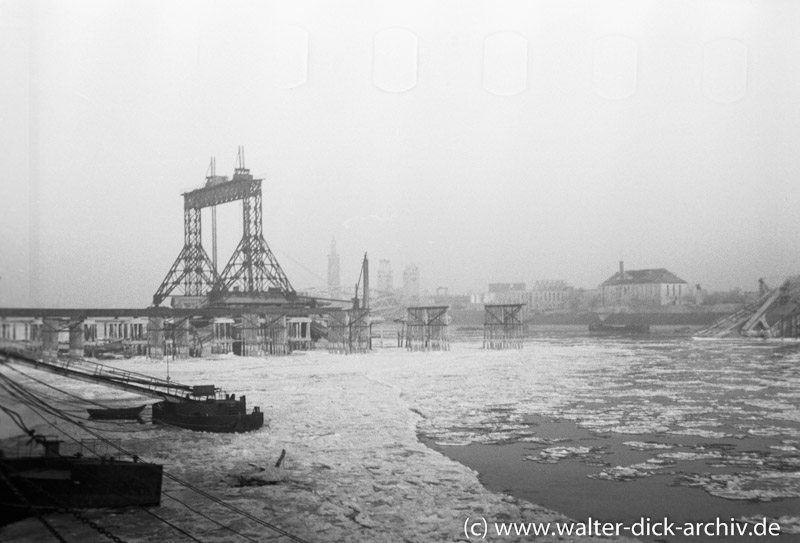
[182, 334]
[76, 338]
[50, 329]
[155, 338]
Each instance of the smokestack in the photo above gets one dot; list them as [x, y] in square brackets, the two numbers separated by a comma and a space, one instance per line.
[621, 268]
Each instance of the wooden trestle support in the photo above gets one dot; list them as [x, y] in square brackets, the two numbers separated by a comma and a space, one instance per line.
[502, 327]
[349, 331]
[427, 329]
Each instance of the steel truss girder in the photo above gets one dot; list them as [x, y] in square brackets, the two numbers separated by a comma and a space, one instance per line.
[237, 189]
[193, 269]
[252, 268]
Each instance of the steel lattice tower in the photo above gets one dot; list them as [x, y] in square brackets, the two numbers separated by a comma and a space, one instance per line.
[251, 270]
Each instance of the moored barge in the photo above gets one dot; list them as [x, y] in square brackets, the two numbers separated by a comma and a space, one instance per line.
[208, 409]
[33, 484]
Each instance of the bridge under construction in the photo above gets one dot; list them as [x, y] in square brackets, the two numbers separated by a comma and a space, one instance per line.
[247, 308]
[158, 332]
[252, 271]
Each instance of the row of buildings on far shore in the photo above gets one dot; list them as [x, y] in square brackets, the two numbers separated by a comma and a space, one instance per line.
[633, 289]
[652, 289]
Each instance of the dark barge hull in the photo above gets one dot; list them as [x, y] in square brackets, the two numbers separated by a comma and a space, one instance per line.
[49, 483]
[620, 328]
[123, 413]
[219, 416]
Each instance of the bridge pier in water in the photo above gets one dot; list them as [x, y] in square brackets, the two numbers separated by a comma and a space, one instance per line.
[180, 344]
[276, 335]
[427, 329]
[222, 335]
[299, 337]
[502, 327]
[50, 329]
[76, 338]
[160, 332]
[252, 345]
[155, 338]
[349, 331]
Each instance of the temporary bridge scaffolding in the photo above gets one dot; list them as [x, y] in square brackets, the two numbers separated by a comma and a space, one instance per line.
[349, 331]
[502, 327]
[427, 328]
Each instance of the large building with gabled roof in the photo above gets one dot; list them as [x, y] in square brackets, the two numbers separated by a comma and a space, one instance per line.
[657, 286]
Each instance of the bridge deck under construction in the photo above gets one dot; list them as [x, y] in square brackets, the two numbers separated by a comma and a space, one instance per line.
[158, 332]
[163, 312]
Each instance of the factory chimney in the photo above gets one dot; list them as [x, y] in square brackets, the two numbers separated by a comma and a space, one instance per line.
[621, 269]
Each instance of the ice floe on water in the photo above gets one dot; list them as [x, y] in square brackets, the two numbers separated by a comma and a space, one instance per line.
[647, 445]
[688, 456]
[355, 470]
[552, 455]
[637, 428]
[784, 448]
[762, 486]
[772, 431]
[633, 471]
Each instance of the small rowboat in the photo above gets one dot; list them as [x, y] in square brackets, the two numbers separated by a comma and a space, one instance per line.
[120, 413]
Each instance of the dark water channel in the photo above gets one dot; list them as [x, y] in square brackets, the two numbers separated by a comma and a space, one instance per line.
[564, 484]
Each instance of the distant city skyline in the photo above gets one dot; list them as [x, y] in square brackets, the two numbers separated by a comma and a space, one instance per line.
[384, 272]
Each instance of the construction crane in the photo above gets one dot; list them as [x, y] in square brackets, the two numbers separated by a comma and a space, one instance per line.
[363, 279]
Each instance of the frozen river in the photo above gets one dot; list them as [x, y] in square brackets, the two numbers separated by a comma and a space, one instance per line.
[664, 415]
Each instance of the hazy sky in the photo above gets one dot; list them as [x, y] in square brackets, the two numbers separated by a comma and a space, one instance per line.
[530, 140]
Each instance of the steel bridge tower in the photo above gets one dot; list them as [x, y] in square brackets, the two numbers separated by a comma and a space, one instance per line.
[252, 269]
